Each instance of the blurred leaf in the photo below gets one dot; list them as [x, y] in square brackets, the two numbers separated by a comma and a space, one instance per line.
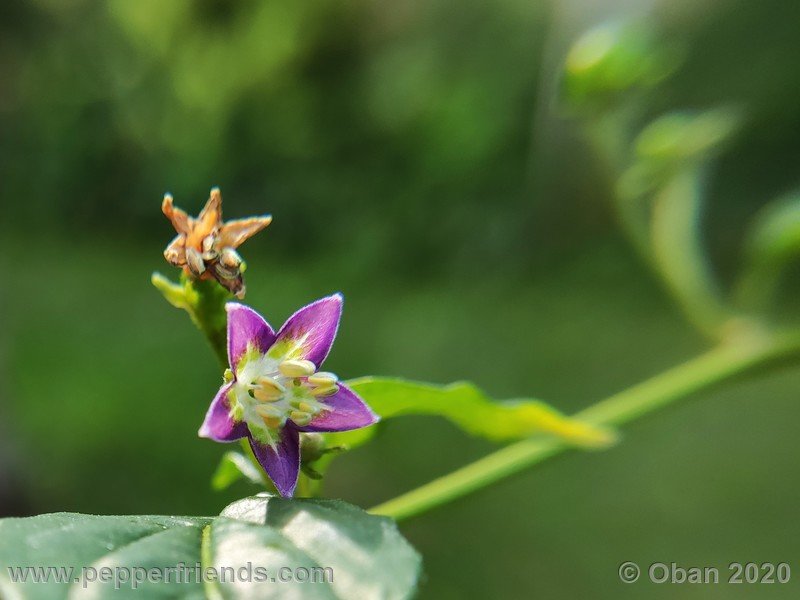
[173, 293]
[670, 142]
[773, 240]
[775, 235]
[232, 467]
[360, 555]
[680, 136]
[470, 409]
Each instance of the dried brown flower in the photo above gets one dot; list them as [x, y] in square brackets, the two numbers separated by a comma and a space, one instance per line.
[205, 247]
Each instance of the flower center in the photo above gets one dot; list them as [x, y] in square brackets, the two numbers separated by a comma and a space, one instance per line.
[268, 392]
[225, 261]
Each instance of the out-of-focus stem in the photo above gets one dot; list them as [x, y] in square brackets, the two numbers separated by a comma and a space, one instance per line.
[678, 255]
[663, 225]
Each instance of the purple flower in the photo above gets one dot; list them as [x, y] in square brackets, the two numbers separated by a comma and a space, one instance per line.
[273, 389]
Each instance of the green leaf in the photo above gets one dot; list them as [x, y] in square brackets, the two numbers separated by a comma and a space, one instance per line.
[350, 553]
[174, 293]
[232, 467]
[680, 136]
[368, 556]
[776, 230]
[469, 408]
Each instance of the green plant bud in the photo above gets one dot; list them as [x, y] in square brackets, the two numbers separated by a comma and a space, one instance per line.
[312, 447]
[612, 58]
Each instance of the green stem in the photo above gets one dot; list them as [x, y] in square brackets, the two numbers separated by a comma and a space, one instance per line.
[678, 254]
[208, 314]
[715, 366]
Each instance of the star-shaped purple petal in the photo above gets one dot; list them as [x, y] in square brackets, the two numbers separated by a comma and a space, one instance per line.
[347, 411]
[309, 333]
[218, 424]
[272, 396]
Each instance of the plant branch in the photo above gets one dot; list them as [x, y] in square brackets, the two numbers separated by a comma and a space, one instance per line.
[747, 352]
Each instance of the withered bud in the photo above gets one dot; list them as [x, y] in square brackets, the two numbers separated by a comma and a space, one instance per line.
[205, 247]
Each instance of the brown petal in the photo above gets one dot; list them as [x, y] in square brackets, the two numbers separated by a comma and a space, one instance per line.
[234, 233]
[180, 220]
[209, 219]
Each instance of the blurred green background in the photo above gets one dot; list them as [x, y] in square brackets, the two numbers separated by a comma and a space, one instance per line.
[415, 156]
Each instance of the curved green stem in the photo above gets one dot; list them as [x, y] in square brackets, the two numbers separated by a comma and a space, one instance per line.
[715, 366]
[663, 223]
[678, 255]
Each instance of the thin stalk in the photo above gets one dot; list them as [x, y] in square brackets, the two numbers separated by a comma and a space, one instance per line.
[715, 366]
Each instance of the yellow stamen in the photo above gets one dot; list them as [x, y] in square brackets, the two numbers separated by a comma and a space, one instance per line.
[323, 391]
[300, 418]
[267, 411]
[297, 368]
[269, 383]
[266, 394]
[306, 407]
[323, 379]
[272, 422]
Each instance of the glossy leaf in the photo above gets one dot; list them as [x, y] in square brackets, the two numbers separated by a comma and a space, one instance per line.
[368, 556]
[331, 549]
